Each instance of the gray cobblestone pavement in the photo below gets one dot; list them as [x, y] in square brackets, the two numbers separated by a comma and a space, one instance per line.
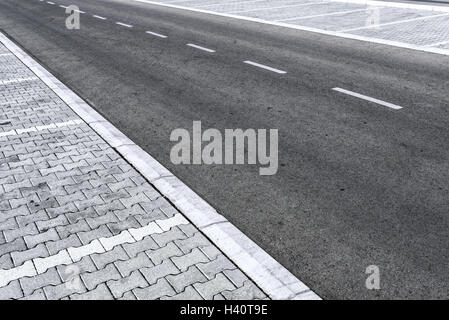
[78, 222]
[390, 22]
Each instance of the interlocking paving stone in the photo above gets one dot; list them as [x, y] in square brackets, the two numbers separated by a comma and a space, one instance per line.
[65, 195]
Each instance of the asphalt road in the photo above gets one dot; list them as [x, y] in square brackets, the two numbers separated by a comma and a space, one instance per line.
[358, 183]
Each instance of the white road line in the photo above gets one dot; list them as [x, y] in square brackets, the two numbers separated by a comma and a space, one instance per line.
[361, 96]
[395, 22]
[17, 80]
[264, 67]
[200, 48]
[124, 24]
[15, 132]
[281, 7]
[5, 54]
[49, 2]
[156, 34]
[79, 11]
[322, 15]
[64, 7]
[99, 17]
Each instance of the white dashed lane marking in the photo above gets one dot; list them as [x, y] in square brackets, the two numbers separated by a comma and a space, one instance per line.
[49, 2]
[361, 96]
[200, 48]
[124, 24]
[156, 34]
[265, 67]
[65, 7]
[99, 17]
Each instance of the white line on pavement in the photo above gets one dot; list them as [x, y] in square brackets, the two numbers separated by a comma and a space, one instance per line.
[395, 22]
[124, 24]
[264, 67]
[79, 11]
[5, 54]
[281, 7]
[15, 132]
[99, 17]
[156, 34]
[361, 96]
[199, 47]
[17, 80]
[49, 2]
[322, 15]
[64, 7]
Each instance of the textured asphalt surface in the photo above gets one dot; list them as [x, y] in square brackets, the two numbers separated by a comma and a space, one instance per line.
[358, 183]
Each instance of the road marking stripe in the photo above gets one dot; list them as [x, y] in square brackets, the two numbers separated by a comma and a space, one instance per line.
[322, 15]
[15, 132]
[156, 34]
[79, 11]
[39, 265]
[264, 67]
[17, 80]
[99, 17]
[361, 96]
[281, 7]
[49, 2]
[200, 48]
[64, 7]
[395, 22]
[124, 24]
[5, 54]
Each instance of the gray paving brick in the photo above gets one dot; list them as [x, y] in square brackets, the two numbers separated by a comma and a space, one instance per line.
[67, 272]
[95, 222]
[158, 290]
[173, 234]
[212, 287]
[50, 235]
[19, 257]
[63, 290]
[248, 292]
[159, 255]
[71, 229]
[20, 211]
[95, 278]
[45, 225]
[152, 274]
[109, 207]
[16, 245]
[87, 237]
[118, 227]
[195, 241]
[184, 279]
[140, 246]
[30, 284]
[55, 246]
[25, 220]
[9, 224]
[74, 217]
[11, 291]
[210, 269]
[188, 294]
[6, 261]
[37, 295]
[185, 261]
[138, 262]
[100, 293]
[103, 259]
[133, 281]
[236, 276]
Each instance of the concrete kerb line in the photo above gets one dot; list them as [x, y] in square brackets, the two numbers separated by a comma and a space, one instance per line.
[309, 29]
[271, 277]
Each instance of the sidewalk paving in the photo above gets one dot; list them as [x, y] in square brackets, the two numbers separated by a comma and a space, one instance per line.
[77, 221]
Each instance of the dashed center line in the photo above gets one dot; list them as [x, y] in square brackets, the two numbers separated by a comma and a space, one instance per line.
[99, 17]
[49, 2]
[124, 24]
[200, 48]
[361, 96]
[265, 67]
[156, 34]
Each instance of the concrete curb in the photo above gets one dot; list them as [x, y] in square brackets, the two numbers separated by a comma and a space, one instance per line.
[308, 29]
[276, 281]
